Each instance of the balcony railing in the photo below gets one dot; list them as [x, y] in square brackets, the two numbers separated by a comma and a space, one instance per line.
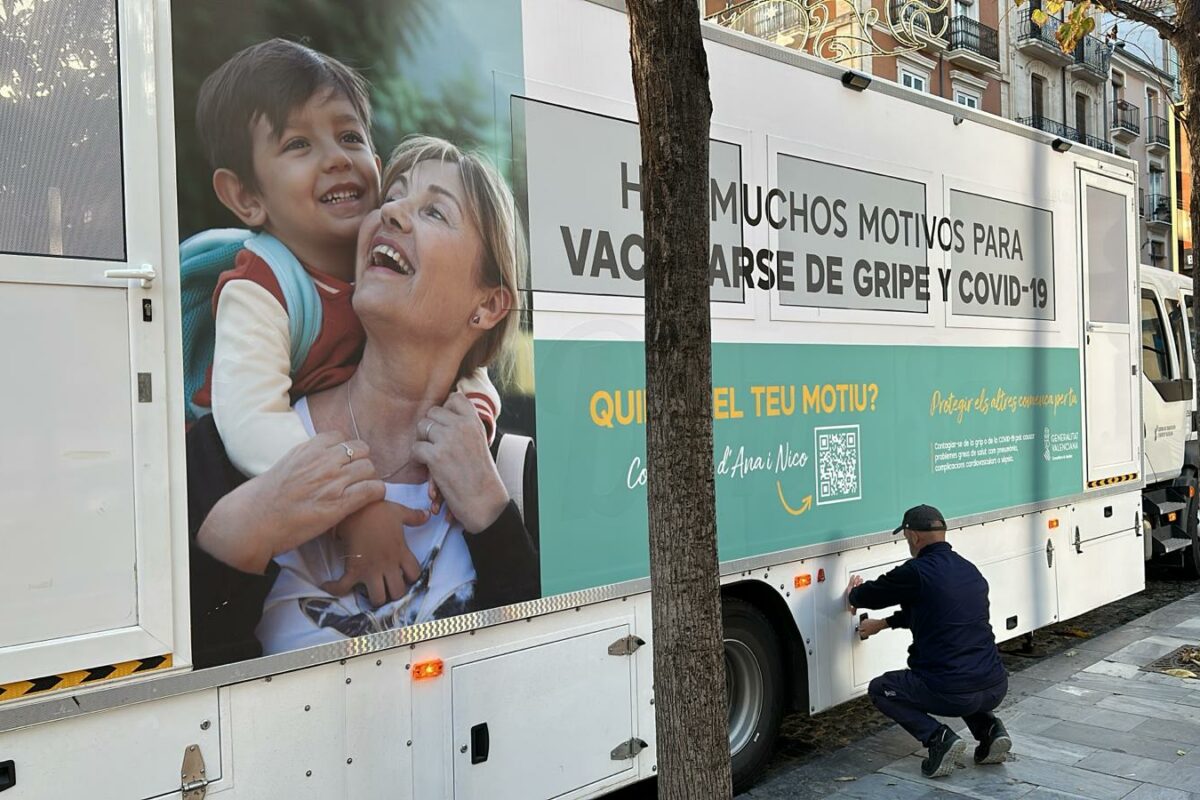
[926, 23]
[1157, 131]
[968, 34]
[1126, 116]
[1142, 203]
[1158, 208]
[1062, 131]
[1092, 54]
[1092, 141]
[1043, 32]
[762, 20]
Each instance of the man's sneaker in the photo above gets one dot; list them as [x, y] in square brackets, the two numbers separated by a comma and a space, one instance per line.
[945, 751]
[994, 747]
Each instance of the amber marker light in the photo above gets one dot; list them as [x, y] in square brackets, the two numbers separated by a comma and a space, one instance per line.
[424, 670]
[803, 579]
[1053, 524]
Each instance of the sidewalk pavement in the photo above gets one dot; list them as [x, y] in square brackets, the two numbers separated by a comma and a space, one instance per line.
[1087, 723]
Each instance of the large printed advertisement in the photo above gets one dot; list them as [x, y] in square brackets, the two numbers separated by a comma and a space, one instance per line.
[370, 207]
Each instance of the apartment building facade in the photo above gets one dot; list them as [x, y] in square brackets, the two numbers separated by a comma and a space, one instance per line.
[1140, 128]
[1112, 92]
[952, 51]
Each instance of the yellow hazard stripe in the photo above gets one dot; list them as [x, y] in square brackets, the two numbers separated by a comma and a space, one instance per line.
[1132, 476]
[83, 677]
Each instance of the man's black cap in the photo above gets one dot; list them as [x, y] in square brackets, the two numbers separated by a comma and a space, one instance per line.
[922, 518]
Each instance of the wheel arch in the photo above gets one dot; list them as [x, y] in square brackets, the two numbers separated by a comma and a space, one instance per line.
[795, 653]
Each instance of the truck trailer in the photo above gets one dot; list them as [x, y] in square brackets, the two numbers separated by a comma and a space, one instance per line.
[912, 302]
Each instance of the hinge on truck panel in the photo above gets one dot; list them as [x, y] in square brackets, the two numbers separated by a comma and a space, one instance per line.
[628, 750]
[1078, 543]
[193, 783]
[1049, 552]
[1137, 523]
[625, 646]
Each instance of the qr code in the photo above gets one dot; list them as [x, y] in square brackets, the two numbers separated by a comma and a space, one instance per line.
[839, 466]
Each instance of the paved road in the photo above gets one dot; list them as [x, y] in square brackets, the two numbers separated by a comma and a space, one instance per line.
[1087, 723]
[823, 740]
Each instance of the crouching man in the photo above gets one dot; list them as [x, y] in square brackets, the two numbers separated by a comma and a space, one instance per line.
[954, 668]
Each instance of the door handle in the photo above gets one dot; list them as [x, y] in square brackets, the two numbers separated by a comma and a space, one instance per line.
[145, 273]
[480, 743]
[1090, 326]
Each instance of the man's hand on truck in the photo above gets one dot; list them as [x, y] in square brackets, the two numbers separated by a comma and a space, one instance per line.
[869, 627]
[855, 581]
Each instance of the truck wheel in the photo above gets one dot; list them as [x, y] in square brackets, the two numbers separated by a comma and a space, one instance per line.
[754, 685]
[1191, 555]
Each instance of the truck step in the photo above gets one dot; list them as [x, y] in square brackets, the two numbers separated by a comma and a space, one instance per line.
[1164, 546]
[1168, 506]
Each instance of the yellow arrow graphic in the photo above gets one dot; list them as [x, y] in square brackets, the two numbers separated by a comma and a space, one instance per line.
[805, 505]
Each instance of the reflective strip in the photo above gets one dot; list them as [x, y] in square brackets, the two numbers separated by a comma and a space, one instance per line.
[1133, 476]
[83, 677]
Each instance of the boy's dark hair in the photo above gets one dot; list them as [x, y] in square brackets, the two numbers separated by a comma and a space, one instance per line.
[269, 79]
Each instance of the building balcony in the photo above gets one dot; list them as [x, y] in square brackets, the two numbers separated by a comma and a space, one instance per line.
[1038, 41]
[1062, 131]
[931, 28]
[774, 22]
[973, 44]
[1158, 135]
[1125, 124]
[1091, 59]
[1158, 210]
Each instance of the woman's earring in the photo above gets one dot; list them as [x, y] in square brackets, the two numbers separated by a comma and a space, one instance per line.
[475, 320]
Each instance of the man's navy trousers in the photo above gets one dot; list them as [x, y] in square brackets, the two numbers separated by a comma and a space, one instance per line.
[904, 697]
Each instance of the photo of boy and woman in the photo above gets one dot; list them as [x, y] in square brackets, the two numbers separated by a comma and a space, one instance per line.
[350, 469]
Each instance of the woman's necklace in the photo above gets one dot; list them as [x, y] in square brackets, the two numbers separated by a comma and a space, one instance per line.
[354, 425]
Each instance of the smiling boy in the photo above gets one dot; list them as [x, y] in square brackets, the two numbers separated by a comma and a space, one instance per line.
[287, 132]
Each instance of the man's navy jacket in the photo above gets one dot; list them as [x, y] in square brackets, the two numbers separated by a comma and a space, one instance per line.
[944, 600]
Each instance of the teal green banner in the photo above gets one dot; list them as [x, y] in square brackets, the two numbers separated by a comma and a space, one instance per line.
[812, 443]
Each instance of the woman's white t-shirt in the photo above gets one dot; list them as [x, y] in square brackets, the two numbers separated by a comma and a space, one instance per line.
[298, 613]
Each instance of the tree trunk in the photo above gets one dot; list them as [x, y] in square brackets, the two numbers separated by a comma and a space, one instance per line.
[670, 78]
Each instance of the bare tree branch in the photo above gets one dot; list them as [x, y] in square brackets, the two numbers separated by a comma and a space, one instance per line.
[1138, 12]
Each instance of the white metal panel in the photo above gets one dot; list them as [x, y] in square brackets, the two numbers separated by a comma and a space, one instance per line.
[123, 754]
[288, 735]
[884, 651]
[1108, 569]
[379, 727]
[553, 713]
[70, 524]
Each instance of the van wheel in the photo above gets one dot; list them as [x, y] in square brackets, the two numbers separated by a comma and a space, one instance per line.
[1191, 555]
[754, 686]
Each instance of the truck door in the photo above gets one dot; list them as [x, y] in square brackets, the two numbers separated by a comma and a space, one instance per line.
[1179, 310]
[1110, 359]
[1167, 392]
[83, 415]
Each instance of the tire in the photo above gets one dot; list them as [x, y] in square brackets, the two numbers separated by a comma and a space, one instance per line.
[754, 685]
[1191, 555]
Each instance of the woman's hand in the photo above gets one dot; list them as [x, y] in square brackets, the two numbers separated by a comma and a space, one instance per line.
[453, 445]
[308, 491]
